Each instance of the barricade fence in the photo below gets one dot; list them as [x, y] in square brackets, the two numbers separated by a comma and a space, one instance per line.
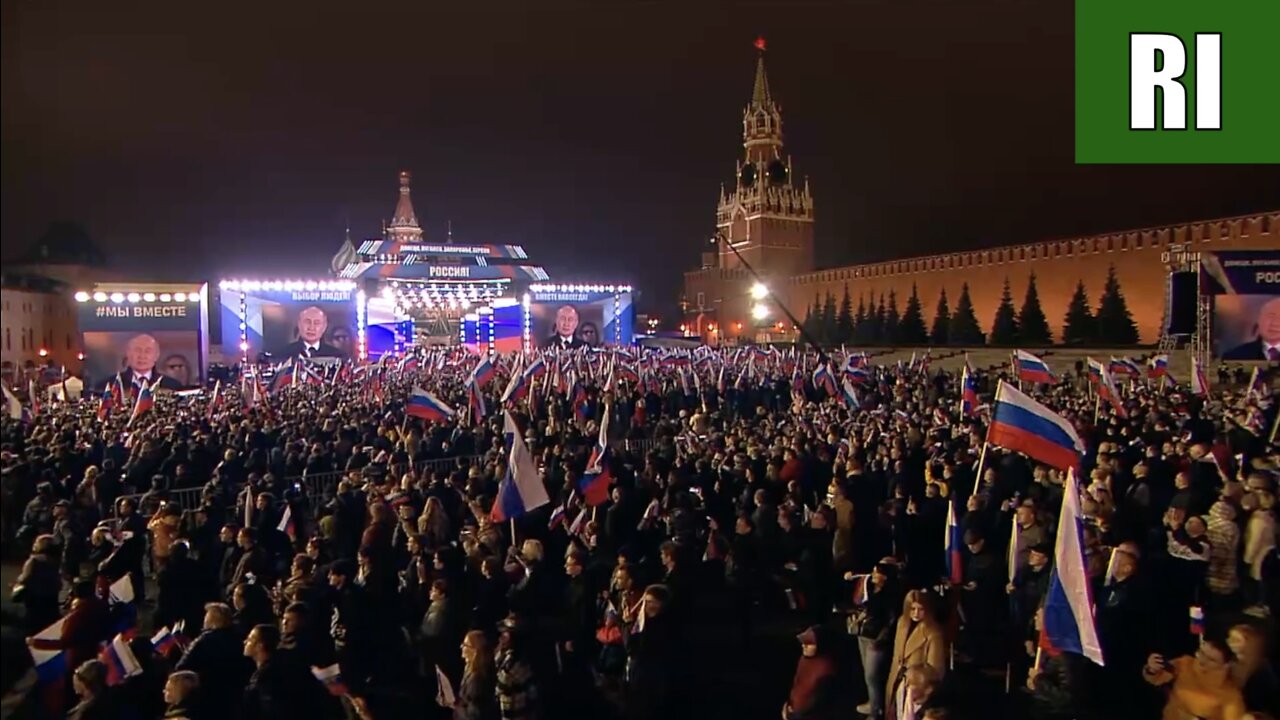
[320, 488]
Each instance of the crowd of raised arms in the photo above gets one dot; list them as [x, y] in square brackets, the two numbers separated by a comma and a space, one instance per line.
[647, 534]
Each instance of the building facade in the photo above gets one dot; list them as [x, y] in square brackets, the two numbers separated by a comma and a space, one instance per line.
[768, 219]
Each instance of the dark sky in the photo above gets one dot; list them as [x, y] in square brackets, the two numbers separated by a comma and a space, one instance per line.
[210, 139]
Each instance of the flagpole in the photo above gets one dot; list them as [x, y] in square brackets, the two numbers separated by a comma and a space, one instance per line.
[982, 461]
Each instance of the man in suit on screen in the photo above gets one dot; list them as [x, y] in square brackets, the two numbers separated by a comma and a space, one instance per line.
[1266, 346]
[566, 328]
[312, 323]
[141, 354]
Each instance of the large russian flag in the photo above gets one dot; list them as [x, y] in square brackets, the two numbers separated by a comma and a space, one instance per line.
[1031, 368]
[1022, 424]
[1068, 607]
[484, 372]
[521, 489]
[594, 484]
[953, 540]
[423, 404]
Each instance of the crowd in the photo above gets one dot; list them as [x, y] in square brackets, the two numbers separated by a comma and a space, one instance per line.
[350, 558]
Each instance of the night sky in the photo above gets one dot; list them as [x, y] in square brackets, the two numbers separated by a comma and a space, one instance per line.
[211, 139]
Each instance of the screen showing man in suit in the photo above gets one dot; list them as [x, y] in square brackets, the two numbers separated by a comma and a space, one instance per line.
[1247, 327]
[291, 323]
[565, 325]
[136, 357]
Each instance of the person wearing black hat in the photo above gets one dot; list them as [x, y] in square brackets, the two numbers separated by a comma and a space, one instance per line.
[1028, 586]
[812, 688]
[351, 626]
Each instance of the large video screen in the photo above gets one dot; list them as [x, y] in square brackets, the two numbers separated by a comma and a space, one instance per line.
[1245, 286]
[579, 316]
[314, 319]
[142, 340]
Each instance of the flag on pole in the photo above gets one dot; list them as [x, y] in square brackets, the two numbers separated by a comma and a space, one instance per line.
[595, 481]
[426, 406]
[120, 661]
[444, 690]
[331, 678]
[521, 489]
[953, 541]
[1068, 607]
[13, 406]
[1031, 368]
[1020, 423]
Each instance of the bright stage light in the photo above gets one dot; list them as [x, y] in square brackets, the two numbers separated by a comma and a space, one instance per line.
[99, 297]
[244, 347]
[465, 303]
[759, 291]
[82, 296]
[759, 311]
[117, 297]
[165, 297]
[149, 297]
[180, 297]
[133, 297]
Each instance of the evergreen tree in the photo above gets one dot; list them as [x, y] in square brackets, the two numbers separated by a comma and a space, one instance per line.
[1004, 329]
[911, 330]
[860, 322]
[1033, 327]
[940, 333]
[844, 319]
[807, 324]
[1114, 322]
[964, 328]
[1079, 327]
[829, 320]
[875, 335]
[891, 320]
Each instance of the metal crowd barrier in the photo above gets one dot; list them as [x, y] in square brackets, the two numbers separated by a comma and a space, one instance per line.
[319, 488]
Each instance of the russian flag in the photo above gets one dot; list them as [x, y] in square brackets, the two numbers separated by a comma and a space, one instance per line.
[849, 395]
[284, 377]
[968, 392]
[408, 363]
[1095, 371]
[516, 388]
[120, 661]
[146, 400]
[483, 372]
[1024, 425]
[475, 401]
[1107, 391]
[521, 489]
[822, 379]
[287, 526]
[1197, 620]
[46, 653]
[537, 368]
[1199, 382]
[107, 403]
[331, 678]
[594, 484]
[1031, 368]
[1158, 366]
[953, 541]
[1125, 366]
[164, 641]
[557, 518]
[215, 400]
[423, 404]
[1068, 607]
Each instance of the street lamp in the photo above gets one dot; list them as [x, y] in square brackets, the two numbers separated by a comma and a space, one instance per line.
[720, 238]
[759, 311]
[759, 291]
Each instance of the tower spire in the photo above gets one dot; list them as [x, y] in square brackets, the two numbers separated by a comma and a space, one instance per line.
[404, 223]
[760, 96]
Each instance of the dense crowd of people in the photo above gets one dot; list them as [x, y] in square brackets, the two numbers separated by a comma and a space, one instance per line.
[315, 550]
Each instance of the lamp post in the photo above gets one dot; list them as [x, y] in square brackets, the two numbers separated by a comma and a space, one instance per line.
[761, 290]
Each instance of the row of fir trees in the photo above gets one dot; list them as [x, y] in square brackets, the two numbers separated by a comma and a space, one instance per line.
[878, 321]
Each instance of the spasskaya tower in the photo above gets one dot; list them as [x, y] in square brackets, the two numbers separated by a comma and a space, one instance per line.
[767, 217]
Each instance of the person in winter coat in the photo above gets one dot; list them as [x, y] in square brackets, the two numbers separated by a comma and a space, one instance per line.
[90, 684]
[873, 622]
[216, 656]
[476, 698]
[39, 585]
[178, 588]
[1252, 672]
[918, 640]
[1223, 576]
[654, 660]
[278, 688]
[517, 688]
[812, 688]
[180, 692]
